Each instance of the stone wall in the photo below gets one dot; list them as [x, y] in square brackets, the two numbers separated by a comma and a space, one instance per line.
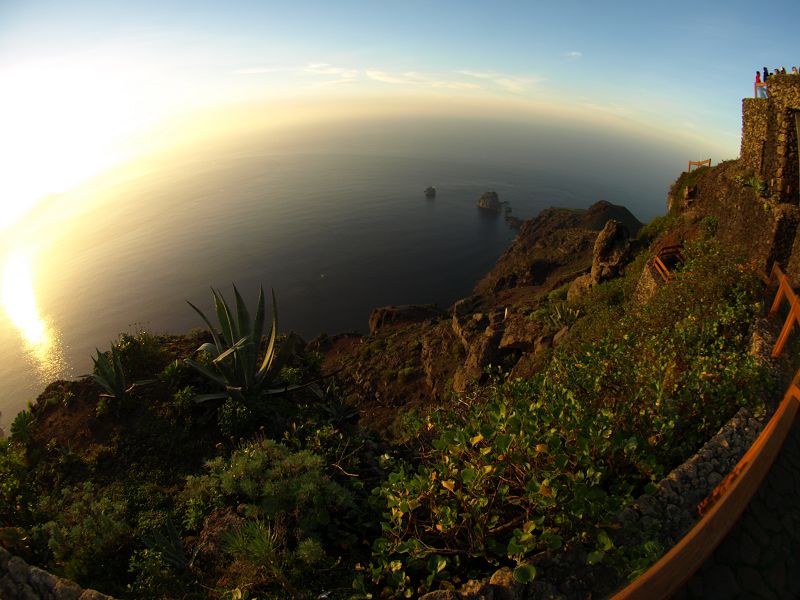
[754, 132]
[20, 581]
[769, 137]
[749, 225]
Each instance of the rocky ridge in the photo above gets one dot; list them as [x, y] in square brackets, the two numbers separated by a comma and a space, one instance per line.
[416, 355]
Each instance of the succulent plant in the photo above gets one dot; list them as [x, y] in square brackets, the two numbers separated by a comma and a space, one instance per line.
[109, 374]
[235, 350]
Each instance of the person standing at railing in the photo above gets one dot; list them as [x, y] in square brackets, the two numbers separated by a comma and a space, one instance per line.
[766, 75]
[760, 87]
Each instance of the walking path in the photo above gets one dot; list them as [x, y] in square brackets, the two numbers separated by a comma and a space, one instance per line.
[760, 557]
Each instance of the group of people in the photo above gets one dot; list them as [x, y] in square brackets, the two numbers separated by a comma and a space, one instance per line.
[761, 87]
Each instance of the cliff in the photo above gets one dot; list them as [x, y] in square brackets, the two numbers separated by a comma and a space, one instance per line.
[416, 356]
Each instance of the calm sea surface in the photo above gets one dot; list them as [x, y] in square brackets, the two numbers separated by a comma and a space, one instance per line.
[335, 234]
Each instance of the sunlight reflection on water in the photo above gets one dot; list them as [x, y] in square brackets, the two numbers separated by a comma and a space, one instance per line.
[41, 342]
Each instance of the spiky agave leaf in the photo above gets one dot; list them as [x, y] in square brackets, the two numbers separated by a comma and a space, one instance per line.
[110, 375]
[224, 315]
[269, 356]
[242, 315]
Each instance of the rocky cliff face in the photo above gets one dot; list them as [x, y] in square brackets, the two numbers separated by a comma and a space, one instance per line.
[416, 355]
[745, 219]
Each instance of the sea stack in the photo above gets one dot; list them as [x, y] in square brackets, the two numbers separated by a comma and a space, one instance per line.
[430, 192]
[490, 201]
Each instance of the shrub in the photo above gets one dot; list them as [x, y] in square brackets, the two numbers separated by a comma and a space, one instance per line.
[273, 482]
[291, 507]
[22, 426]
[15, 491]
[547, 462]
[86, 529]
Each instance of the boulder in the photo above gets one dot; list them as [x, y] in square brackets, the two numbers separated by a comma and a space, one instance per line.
[440, 595]
[480, 353]
[579, 287]
[490, 201]
[408, 313]
[505, 586]
[611, 251]
[519, 333]
[560, 335]
[476, 590]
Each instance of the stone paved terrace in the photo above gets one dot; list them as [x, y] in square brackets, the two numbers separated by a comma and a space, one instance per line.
[760, 557]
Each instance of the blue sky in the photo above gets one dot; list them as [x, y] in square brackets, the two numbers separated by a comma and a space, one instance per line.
[81, 77]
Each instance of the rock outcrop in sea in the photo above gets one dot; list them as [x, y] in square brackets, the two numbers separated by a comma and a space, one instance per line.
[490, 201]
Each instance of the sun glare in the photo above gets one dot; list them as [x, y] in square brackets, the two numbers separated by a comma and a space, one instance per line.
[19, 303]
[62, 123]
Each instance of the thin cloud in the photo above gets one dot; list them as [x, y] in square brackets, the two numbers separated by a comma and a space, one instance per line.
[260, 70]
[574, 54]
[512, 83]
[611, 109]
[327, 69]
[418, 79]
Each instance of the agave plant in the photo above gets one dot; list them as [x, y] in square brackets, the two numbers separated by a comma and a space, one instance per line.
[108, 373]
[235, 350]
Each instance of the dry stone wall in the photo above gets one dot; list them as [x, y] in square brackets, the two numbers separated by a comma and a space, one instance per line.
[769, 136]
[20, 581]
[754, 132]
[747, 224]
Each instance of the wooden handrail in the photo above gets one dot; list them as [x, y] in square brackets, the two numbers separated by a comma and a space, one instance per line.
[658, 260]
[723, 507]
[675, 568]
[662, 269]
[784, 291]
[699, 163]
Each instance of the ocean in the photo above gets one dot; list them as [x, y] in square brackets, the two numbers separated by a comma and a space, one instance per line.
[336, 229]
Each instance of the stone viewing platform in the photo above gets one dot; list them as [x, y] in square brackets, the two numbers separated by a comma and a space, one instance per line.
[769, 137]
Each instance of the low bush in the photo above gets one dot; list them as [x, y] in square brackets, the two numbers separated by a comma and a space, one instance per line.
[548, 462]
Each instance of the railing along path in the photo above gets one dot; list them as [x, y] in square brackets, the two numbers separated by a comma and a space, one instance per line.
[723, 507]
[698, 164]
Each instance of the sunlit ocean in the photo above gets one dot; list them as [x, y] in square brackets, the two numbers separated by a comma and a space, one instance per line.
[336, 234]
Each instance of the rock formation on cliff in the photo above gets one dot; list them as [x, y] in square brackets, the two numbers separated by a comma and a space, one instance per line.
[419, 354]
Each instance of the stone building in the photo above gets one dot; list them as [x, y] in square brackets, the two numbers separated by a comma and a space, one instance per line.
[770, 128]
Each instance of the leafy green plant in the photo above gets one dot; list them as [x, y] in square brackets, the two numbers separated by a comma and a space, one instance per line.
[273, 482]
[758, 185]
[709, 226]
[86, 527]
[547, 462]
[15, 490]
[141, 353]
[262, 546]
[293, 509]
[563, 315]
[235, 350]
[22, 426]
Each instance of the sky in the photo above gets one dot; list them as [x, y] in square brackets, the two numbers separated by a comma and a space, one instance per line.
[85, 85]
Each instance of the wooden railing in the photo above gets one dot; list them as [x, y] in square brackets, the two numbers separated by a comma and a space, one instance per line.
[665, 258]
[722, 509]
[699, 163]
[757, 85]
[784, 291]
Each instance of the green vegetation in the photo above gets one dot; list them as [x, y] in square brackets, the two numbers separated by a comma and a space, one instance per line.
[549, 461]
[251, 494]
